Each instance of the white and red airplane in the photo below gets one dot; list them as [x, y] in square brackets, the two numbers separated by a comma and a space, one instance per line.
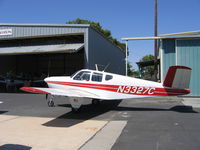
[90, 86]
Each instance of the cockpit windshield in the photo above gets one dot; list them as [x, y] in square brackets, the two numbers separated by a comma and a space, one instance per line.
[74, 74]
[83, 75]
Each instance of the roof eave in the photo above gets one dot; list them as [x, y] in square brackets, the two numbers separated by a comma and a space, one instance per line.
[45, 25]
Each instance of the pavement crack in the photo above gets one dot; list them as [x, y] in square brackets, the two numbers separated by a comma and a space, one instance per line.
[9, 119]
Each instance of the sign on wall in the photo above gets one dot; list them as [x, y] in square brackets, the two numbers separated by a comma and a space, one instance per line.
[5, 32]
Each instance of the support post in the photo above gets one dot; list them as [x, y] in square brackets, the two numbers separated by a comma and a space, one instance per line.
[126, 58]
[155, 41]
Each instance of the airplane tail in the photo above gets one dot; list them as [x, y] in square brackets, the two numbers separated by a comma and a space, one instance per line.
[178, 77]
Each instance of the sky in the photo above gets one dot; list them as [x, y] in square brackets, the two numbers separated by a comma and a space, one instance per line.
[124, 18]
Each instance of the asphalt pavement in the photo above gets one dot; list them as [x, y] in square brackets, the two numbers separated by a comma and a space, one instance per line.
[26, 122]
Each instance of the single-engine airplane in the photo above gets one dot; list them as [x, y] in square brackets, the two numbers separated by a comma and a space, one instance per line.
[90, 86]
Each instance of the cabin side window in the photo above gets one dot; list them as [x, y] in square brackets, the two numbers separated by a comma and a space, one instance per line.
[108, 77]
[97, 77]
[83, 75]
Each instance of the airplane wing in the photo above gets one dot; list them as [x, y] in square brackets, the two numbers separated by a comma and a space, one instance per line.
[59, 92]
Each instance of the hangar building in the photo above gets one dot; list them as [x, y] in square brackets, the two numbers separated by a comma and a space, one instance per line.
[35, 51]
[182, 49]
[178, 49]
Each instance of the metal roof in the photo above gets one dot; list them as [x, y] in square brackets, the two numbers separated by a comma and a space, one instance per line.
[69, 48]
[45, 25]
[192, 34]
[11, 31]
[140, 38]
[181, 33]
[16, 31]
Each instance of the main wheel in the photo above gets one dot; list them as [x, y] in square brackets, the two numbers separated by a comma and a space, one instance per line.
[51, 104]
[75, 110]
[95, 101]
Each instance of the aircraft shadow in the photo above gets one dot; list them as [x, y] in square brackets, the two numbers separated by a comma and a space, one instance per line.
[89, 111]
[2, 112]
[179, 108]
[14, 147]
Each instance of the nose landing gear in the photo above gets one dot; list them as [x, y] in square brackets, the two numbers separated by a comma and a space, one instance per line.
[50, 102]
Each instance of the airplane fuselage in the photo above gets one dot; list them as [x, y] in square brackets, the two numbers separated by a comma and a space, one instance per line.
[86, 86]
[117, 87]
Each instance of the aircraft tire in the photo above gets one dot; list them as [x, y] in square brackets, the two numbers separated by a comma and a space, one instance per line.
[75, 110]
[51, 104]
[95, 102]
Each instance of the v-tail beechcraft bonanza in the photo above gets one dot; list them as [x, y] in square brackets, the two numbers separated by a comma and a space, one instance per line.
[90, 86]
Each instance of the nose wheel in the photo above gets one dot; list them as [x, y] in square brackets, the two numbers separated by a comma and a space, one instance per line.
[50, 102]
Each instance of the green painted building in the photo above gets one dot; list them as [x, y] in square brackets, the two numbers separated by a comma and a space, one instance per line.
[181, 49]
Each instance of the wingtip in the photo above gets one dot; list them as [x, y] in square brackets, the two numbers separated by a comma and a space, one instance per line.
[33, 90]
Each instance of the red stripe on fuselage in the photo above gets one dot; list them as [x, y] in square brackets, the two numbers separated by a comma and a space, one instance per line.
[86, 85]
[134, 90]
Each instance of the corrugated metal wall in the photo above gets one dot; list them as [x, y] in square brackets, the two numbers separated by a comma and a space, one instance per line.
[103, 52]
[41, 30]
[188, 54]
[98, 49]
[183, 52]
[168, 58]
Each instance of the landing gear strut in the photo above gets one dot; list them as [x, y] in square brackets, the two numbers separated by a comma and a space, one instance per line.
[50, 102]
[75, 104]
[75, 110]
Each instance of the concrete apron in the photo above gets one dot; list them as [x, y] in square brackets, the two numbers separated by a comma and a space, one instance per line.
[194, 102]
[30, 132]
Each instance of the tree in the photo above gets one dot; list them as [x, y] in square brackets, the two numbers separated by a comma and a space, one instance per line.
[130, 71]
[148, 70]
[133, 72]
[97, 26]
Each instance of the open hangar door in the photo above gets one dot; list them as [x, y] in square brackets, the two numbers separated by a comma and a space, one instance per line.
[31, 69]
[27, 61]
[56, 64]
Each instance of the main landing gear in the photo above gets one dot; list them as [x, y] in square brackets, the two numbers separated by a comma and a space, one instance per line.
[96, 102]
[76, 110]
[50, 101]
[76, 103]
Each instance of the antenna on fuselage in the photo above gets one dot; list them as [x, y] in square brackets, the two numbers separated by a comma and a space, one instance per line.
[101, 66]
[96, 66]
[106, 67]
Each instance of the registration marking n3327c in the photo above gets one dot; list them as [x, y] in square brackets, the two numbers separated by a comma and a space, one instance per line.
[136, 90]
